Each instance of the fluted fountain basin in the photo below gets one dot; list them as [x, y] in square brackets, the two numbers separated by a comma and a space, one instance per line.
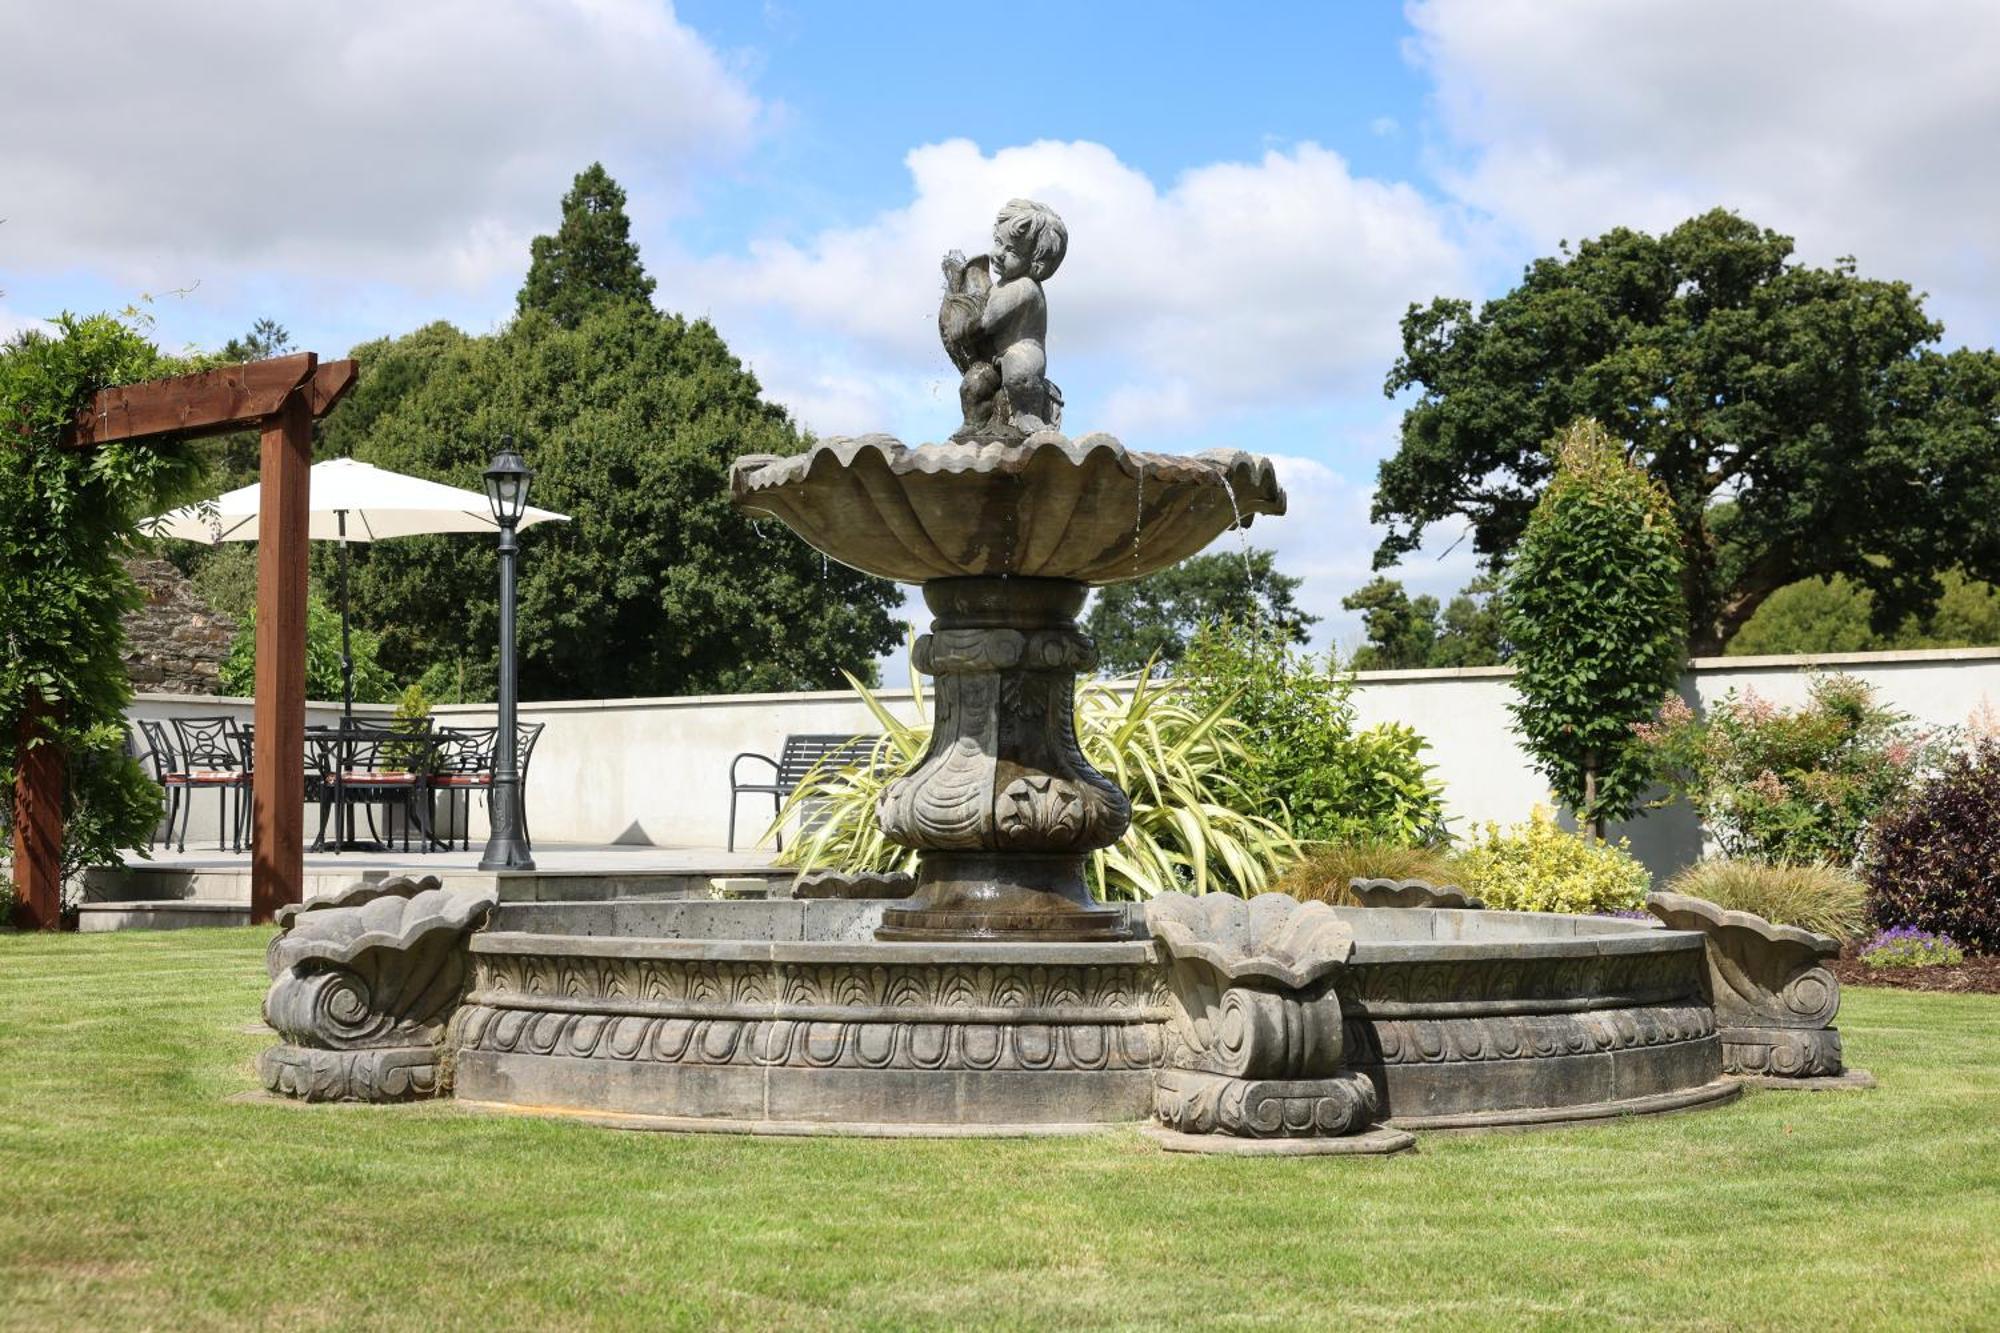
[1088, 509]
[790, 1016]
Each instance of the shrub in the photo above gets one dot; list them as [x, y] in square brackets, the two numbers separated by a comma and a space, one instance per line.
[1174, 760]
[1825, 898]
[1793, 785]
[67, 522]
[238, 672]
[1326, 869]
[6, 902]
[1933, 861]
[413, 713]
[1310, 770]
[1540, 866]
[1906, 946]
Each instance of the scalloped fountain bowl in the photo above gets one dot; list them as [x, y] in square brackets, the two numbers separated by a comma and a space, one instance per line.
[1088, 510]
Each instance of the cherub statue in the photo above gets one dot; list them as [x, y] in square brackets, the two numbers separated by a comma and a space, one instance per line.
[994, 320]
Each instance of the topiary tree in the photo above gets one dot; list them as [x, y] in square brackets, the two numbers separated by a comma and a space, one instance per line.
[1594, 611]
[67, 519]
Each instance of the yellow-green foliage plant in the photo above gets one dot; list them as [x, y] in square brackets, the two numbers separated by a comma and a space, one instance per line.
[1325, 869]
[1174, 760]
[1825, 898]
[1540, 866]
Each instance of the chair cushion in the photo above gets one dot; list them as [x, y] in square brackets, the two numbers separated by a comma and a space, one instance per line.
[463, 780]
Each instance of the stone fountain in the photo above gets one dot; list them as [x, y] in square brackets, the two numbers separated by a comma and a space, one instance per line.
[1006, 536]
[1006, 527]
[992, 994]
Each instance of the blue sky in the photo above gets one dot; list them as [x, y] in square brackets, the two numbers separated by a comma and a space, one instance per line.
[1255, 192]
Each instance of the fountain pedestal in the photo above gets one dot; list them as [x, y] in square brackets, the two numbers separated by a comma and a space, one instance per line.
[1004, 807]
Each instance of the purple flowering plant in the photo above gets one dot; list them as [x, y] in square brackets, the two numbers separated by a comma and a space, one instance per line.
[1906, 946]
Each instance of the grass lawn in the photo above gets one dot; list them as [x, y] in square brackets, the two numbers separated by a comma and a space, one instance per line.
[135, 1193]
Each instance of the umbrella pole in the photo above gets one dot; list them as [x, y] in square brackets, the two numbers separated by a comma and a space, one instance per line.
[346, 656]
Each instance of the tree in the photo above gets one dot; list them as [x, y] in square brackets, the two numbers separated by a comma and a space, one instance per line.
[591, 260]
[238, 671]
[1470, 631]
[1406, 632]
[1834, 616]
[1153, 619]
[631, 417]
[266, 338]
[1401, 631]
[1810, 398]
[1594, 608]
[657, 585]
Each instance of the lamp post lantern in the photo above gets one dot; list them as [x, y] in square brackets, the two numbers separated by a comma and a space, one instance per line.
[507, 482]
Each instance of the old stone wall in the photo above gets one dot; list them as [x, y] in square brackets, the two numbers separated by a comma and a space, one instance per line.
[175, 641]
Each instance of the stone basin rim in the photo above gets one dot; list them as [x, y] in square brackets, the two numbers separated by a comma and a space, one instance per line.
[1124, 952]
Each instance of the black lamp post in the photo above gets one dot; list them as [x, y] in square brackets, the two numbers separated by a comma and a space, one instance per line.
[507, 494]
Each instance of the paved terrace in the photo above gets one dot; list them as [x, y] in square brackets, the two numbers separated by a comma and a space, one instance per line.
[211, 888]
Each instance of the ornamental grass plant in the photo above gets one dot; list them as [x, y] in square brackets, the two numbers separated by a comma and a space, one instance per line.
[1176, 761]
[1819, 897]
[1326, 869]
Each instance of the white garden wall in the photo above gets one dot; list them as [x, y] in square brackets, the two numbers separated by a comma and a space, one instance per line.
[656, 770]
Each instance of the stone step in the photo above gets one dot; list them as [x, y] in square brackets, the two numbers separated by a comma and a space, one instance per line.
[161, 914]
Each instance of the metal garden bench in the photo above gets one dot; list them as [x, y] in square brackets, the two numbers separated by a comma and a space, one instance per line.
[800, 755]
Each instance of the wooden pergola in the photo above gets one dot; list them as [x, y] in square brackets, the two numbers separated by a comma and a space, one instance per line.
[280, 397]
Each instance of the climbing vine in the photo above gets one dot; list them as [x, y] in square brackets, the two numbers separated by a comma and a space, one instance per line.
[67, 518]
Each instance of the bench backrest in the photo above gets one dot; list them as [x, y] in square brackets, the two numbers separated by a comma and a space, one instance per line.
[801, 753]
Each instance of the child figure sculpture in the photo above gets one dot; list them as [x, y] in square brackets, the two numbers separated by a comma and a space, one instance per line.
[994, 321]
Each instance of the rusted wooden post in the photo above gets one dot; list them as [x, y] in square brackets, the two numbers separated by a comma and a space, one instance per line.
[38, 829]
[277, 846]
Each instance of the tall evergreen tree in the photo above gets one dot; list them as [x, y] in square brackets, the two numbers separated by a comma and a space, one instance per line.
[591, 259]
[631, 417]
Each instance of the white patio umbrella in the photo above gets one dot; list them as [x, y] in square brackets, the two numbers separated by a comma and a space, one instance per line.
[351, 501]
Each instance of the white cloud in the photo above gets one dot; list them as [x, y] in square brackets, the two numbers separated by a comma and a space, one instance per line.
[1858, 127]
[1240, 283]
[13, 322]
[373, 141]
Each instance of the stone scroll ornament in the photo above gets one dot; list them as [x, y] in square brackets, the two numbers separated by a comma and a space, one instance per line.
[363, 983]
[1253, 1036]
[1774, 997]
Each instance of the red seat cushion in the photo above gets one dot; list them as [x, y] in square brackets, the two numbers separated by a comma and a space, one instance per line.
[464, 780]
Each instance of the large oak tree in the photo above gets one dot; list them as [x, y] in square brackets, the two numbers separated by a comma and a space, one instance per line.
[1802, 419]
